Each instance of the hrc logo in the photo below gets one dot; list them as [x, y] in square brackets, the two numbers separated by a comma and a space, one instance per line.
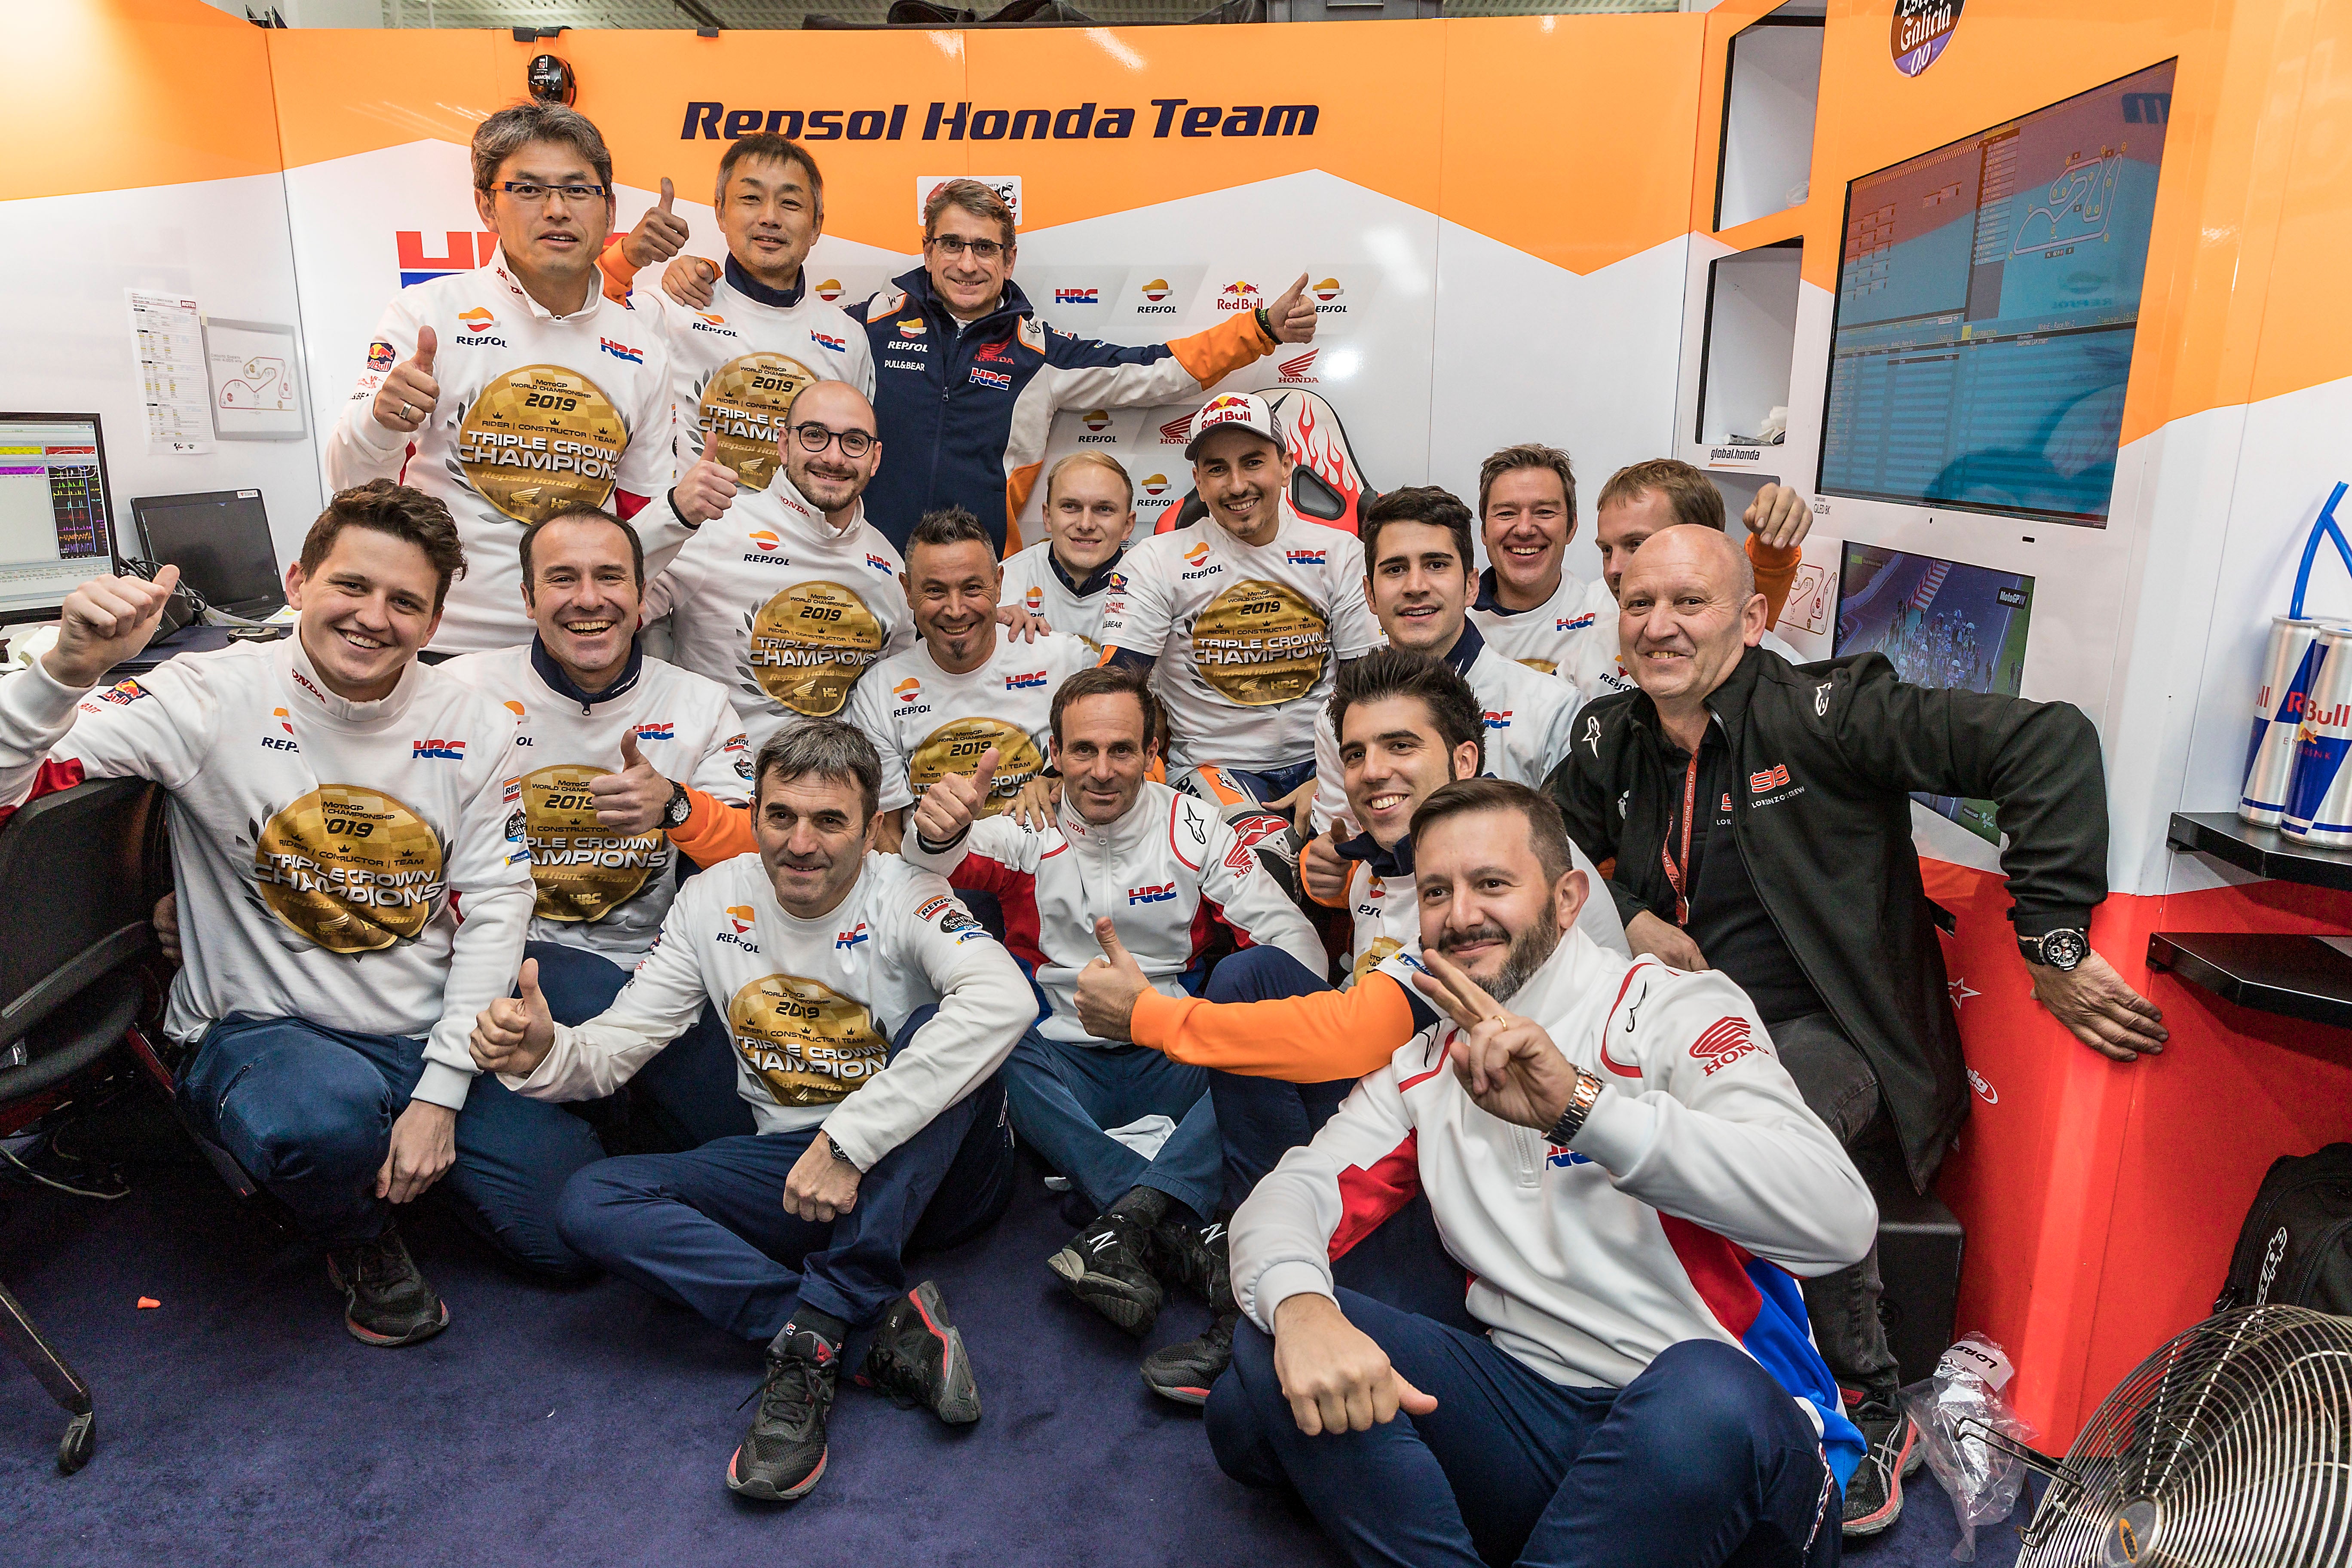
[1770, 779]
[453, 751]
[659, 730]
[993, 378]
[825, 341]
[1077, 297]
[1305, 557]
[850, 938]
[622, 351]
[1162, 893]
[878, 564]
[1573, 623]
[1498, 720]
[1033, 681]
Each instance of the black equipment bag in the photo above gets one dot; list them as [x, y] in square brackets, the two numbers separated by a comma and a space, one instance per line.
[2296, 1246]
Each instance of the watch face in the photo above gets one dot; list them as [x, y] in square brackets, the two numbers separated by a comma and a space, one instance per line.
[2064, 949]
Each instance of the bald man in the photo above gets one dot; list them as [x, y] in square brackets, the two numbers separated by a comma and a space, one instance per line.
[1759, 816]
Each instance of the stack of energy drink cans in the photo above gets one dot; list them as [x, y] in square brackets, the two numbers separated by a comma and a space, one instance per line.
[2296, 777]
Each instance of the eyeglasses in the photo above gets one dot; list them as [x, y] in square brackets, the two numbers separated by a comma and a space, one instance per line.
[954, 245]
[816, 437]
[533, 194]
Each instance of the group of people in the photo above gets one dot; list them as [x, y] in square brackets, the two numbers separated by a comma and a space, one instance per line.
[1330, 911]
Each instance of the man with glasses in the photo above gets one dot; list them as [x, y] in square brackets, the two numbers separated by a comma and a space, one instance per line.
[515, 392]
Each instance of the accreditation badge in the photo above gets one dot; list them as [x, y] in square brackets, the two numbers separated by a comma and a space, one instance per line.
[956, 748]
[540, 439]
[353, 870]
[807, 1043]
[582, 871]
[744, 406]
[809, 644]
[1260, 643]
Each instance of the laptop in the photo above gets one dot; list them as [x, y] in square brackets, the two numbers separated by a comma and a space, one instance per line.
[220, 542]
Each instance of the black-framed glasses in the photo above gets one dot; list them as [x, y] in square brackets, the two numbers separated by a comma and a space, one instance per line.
[816, 437]
[532, 193]
[954, 245]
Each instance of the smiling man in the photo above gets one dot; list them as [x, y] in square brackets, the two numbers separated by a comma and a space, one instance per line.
[329, 983]
[514, 392]
[1065, 576]
[1529, 607]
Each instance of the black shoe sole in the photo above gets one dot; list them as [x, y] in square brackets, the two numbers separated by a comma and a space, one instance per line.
[1183, 1393]
[1128, 1306]
[394, 1341]
[959, 1401]
[760, 1490]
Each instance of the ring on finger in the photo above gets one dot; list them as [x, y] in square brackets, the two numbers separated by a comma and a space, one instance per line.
[406, 412]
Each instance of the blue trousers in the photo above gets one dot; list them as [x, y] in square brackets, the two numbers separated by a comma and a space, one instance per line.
[1273, 784]
[1062, 1097]
[308, 1112]
[1702, 1459]
[690, 1087]
[708, 1228]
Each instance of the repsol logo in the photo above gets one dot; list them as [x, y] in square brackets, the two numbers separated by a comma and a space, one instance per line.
[1169, 117]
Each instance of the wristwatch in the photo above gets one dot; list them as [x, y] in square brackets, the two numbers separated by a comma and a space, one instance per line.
[680, 807]
[1580, 1106]
[2062, 949]
[835, 1148]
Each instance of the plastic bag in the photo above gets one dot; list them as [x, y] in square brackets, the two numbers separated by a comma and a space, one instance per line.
[1982, 1481]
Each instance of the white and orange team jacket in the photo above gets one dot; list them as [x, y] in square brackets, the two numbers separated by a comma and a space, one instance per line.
[1551, 637]
[1699, 1183]
[322, 848]
[781, 609]
[927, 723]
[537, 412]
[599, 891]
[812, 1005]
[1247, 637]
[1033, 581]
[1165, 873]
[1384, 911]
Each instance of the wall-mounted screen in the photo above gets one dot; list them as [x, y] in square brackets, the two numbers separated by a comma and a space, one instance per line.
[57, 528]
[1988, 295]
[1942, 624]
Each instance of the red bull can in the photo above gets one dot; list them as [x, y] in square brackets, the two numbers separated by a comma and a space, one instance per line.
[2320, 794]
[2287, 669]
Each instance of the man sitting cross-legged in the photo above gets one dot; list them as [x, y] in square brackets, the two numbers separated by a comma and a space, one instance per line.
[1135, 865]
[1615, 1153]
[869, 1014]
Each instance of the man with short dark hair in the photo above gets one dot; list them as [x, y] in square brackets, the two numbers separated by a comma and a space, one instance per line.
[1065, 576]
[333, 807]
[1529, 607]
[513, 392]
[869, 1012]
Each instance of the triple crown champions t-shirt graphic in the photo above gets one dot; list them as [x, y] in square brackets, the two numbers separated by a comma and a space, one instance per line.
[353, 870]
[956, 748]
[807, 1042]
[809, 644]
[540, 439]
[582, 871]
[745, 402]
[1260, 643]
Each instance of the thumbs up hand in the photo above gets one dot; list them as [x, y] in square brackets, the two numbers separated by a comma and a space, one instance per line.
[405, 399]
[949, 807]
[1109, 987]
[633, 800]
[659, 234]
[705, 492]
[514, 1034]
[1293, 315]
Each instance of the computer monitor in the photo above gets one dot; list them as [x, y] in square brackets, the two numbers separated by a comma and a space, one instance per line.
[1988, 296]
[220, 542]
[57, 527]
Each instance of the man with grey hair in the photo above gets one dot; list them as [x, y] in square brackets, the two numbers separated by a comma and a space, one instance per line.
[869, 1014]
[514, 392]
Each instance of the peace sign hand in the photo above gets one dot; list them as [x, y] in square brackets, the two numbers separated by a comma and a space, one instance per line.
[1506, 1064]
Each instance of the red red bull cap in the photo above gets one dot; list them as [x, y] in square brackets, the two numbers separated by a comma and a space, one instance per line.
[1241, 410]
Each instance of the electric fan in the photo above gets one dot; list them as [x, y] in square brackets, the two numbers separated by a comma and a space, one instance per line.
[2230, 1447]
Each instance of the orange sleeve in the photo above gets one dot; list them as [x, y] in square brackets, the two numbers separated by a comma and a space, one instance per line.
[1299, 1040]
[1776, 569]
[619, 273]
[714, 831]
[1210, 356]
[1345, 888]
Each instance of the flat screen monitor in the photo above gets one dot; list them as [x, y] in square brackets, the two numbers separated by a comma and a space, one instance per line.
[1988, 296]
[57, 527]
[1943, 624]
[220, 542]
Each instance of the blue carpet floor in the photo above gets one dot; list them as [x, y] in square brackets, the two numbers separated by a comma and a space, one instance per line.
[239, 1425]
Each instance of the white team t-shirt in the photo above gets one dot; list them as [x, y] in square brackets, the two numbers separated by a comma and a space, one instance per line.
[1550, 636]
[927, 723]
[1032, 582]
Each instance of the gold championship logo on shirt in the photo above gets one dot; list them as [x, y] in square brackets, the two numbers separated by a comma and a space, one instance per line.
[810, 643]
[1541, 666]
[807, 1042]
[540, 439]
[352, 868]
[1377, 952]
[582, 871]
[956, 748]
[744, 406]
[1259, 643]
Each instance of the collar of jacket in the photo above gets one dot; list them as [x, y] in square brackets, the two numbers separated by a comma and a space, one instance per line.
[751, 288]
[1465, 650]
[1388, 865]
[1093, 584]
[1486, 600]
[542, 663]
[1727, 702]
[1142, 821]
[1011, 306]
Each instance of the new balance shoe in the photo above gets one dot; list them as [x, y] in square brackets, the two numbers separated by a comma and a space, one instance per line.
[782, 1457]
[1874, 1497]
[918, 1358]
[1107, 1266]
[386, 1301]
[1185, 1373]
[1194, 1257]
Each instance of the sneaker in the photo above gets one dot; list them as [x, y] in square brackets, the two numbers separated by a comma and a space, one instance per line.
[1195, 1257]
[782, 1457]
[1874, 1497]
[1185, 1373]
[918, 1358]
[386, 1301]
[1108, 1266]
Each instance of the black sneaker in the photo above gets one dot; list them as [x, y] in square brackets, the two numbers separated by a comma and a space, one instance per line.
[1185, 1373]
[1196, 1257]
[1108, 1266]
[1874, 1497]
[918, 1358]
[386, 1301]
[782, 1457]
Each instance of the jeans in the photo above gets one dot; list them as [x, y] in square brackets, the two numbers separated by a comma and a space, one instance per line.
[1701, 1459]
[1064, 1095]
[308, 1110]
[690, 1088]
[1273, 784]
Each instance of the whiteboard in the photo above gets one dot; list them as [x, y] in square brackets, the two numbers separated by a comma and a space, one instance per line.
[256, 374]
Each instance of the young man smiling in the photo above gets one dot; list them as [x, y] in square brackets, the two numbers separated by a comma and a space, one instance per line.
[1064, 577]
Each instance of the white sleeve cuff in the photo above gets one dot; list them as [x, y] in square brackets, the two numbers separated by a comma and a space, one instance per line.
[1280, 1283]
[47, 700]
[1618, 1133]
[443, 1084]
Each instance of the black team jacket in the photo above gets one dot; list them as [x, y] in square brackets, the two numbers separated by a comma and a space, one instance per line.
[1828, 843]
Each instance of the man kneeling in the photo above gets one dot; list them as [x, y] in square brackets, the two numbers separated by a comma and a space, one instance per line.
[1629, 1175]
[869, 1012]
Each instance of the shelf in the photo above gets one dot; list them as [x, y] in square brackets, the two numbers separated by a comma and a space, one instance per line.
[2264, 851]
[2304, 977]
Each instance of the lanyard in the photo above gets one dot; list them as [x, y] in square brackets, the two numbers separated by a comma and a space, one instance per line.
[1674, 871]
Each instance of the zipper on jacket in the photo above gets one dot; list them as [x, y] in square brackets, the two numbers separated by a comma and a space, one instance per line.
[1532, 1150]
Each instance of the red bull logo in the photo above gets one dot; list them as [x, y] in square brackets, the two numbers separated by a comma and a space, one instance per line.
[1238, 295]
[380, 357]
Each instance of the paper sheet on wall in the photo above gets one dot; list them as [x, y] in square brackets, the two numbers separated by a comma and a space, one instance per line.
[169, 334]
[254, 395]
